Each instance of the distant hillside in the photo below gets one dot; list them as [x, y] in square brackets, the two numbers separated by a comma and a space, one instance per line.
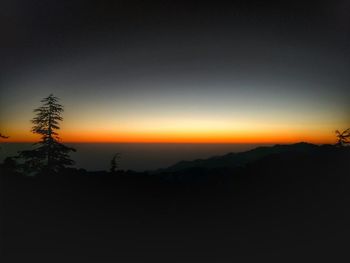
[234, 160]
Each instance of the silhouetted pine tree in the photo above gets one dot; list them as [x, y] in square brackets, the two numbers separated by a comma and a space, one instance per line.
[343, 138]
[115, 163]
[50, 154]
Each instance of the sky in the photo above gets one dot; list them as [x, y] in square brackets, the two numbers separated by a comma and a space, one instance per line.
[178, 71]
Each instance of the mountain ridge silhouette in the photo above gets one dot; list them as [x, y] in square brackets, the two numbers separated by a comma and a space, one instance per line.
[239, 159]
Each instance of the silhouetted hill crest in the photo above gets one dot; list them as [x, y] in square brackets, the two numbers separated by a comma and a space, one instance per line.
[234, 160]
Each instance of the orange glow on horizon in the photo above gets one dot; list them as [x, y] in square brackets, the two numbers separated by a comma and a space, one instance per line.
[260, 126]
[177, 137]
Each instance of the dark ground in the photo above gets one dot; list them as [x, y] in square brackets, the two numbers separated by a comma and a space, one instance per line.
[285, 207]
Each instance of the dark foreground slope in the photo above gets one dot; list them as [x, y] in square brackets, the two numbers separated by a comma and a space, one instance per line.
[288, 207]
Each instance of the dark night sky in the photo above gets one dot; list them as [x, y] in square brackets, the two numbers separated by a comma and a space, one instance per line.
[256, 64]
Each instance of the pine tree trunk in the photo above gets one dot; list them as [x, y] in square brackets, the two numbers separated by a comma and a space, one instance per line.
[49, 161]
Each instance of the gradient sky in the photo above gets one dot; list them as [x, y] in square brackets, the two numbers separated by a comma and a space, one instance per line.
[178, 71]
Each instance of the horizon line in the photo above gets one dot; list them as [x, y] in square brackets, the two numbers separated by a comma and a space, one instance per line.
[172, 142]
